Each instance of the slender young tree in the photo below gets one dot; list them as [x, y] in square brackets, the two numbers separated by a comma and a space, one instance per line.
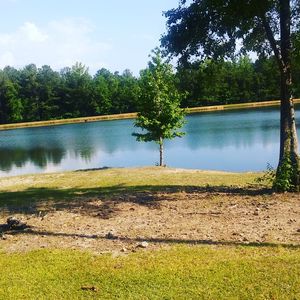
[159, 104]
[213, 28]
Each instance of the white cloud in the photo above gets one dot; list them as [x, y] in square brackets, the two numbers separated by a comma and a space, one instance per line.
[33, 33]
[59, 43]
[6, 39]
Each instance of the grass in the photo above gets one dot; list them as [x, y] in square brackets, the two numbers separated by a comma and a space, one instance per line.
[112, 177]
[26, 191]
[68, 121]
[182, 272]
[236, 106]
[177, 272]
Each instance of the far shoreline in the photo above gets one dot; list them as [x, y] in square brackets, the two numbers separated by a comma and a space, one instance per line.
[133, 115]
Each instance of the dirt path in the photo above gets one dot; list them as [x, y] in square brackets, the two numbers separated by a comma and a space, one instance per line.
[119, 223]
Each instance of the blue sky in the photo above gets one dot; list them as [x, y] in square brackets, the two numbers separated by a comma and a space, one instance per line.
[113, 34]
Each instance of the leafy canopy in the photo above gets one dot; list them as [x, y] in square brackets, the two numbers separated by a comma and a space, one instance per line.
[159, 102]
[217, 28]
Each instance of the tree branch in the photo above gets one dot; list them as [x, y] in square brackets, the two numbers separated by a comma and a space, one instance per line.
[272, 41]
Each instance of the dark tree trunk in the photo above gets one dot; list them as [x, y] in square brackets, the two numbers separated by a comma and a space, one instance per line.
[288, 167]
[161, 152]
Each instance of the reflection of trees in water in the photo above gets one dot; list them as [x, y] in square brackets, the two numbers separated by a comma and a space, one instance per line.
[85, 153]
[39, 156]
[42, 146]
[216, 130]
[109, 136]
[83, 140]
[235, 128]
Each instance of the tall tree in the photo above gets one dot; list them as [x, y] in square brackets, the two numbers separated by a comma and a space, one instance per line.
[29, 93]
[128, 92]
[102, 91]
[267, 78]
[158, 104]
[214, 28]
[48, 83]
[11, 107]
[77, 91]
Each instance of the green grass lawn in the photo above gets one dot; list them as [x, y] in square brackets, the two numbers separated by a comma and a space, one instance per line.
[182, 272]
[28, 190]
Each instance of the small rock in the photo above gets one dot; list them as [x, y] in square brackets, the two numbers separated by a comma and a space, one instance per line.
[123, 249]
[12, 221]
[111, 236]
[256, 212]
[89, 288]
[6, 237]
[143, 244]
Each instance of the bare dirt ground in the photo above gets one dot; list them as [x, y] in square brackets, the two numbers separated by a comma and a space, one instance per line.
[119, 223]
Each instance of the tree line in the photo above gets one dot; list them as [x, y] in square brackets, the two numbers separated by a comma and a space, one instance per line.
[36, 94]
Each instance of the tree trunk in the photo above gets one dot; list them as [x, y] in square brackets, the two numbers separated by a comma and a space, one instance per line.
[288, 167]
[161, 152]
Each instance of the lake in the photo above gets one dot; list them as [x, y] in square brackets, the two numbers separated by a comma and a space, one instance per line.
[237, 140]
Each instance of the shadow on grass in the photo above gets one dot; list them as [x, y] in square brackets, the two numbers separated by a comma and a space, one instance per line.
[168, 241]
[87, 201]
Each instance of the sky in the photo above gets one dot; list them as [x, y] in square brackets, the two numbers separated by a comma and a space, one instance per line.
[111, 34]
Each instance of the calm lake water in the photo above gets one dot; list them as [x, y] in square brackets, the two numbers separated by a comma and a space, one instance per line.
[239, 140]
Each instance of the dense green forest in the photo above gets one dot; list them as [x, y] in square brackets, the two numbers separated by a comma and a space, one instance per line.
[33, 94]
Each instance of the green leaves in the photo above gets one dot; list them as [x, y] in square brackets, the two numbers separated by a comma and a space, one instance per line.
[285, 175]
[10, 104]
[216, 28]
[159, 114]
[36, 94]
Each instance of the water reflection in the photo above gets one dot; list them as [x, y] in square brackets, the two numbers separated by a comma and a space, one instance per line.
[39, 156]
[240, 129]
[231, 140]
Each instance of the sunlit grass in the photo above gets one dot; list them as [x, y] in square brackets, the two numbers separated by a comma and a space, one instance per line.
[179, 272]
[183, 272]
[151, 176]
[68, 121]
[29, 189]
